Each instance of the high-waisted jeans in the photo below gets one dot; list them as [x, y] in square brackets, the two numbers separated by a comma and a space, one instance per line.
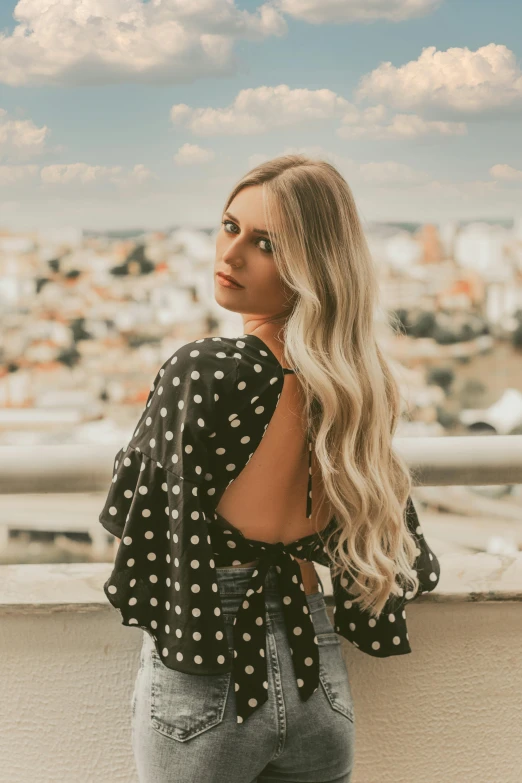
[184, 727]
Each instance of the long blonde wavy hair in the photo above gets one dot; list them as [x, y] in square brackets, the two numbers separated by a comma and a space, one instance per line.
[352, 399]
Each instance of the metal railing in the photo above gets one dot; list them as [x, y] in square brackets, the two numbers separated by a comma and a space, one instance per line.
[434, 461]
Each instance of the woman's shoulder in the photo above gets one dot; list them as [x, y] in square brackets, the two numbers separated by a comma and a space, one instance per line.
[230, 363]
[206, 357]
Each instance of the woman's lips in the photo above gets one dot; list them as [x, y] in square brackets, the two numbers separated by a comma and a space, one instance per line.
[227, 283]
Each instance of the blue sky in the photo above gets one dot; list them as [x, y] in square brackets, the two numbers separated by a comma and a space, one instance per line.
[419, 106]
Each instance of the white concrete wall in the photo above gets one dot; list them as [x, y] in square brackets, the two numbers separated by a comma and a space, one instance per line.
[451, 712]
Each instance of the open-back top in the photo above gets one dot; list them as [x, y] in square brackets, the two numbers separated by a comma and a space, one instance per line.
[204, 418]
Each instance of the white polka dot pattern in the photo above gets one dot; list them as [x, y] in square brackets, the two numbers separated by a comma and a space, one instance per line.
[205, 415]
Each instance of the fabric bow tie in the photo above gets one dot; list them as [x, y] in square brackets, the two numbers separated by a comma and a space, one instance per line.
[249, 633]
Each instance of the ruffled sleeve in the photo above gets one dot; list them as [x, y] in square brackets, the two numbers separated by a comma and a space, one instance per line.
[388, 634]
[164, 578]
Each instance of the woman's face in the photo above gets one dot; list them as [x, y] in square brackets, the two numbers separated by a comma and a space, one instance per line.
[244, 251]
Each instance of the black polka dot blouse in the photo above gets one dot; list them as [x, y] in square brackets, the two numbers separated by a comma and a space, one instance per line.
[205, 415]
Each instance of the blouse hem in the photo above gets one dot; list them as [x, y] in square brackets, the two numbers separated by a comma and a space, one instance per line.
[111, 526]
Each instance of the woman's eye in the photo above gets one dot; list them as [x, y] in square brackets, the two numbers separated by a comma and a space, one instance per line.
[229, 223]
[269, 243]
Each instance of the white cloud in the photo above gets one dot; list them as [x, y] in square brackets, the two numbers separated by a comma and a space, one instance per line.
[437, 200]
[402, 126]
[377, 173]
[14, 175]
[64, 173]
[260, 109]
[74, 173]
[190, 154]
[90, 42]
[383, 190]
[389, 190]
[140, 173]
[389, 172]
[20, 139]
[506, 173]
[324, 11]
[458, 79]
[83, 173]
[158, 42]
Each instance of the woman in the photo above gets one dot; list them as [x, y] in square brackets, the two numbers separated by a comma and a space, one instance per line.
[241, 674]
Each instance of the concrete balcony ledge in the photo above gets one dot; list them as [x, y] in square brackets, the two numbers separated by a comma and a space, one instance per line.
[450, 711]
[78, 587]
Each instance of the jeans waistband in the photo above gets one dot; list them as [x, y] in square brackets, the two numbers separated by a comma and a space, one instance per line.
[233, 583]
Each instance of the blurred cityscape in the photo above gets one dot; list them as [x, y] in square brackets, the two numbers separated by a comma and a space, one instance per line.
[88, 318]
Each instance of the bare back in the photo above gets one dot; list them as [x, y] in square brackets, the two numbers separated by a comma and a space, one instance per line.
[267, 501]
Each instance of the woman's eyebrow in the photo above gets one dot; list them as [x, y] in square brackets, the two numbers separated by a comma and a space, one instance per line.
[255, 230]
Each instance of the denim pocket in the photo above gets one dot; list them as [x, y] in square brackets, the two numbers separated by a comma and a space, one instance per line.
[184, 705]
[334, 675]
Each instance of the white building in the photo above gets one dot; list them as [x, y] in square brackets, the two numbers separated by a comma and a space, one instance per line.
[482, 247]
